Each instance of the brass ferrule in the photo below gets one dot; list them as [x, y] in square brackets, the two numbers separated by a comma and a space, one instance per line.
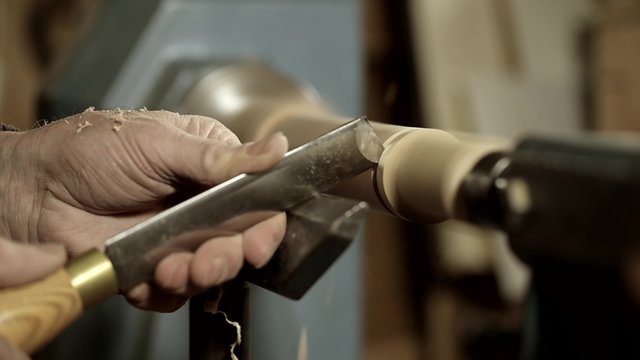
[93, 276]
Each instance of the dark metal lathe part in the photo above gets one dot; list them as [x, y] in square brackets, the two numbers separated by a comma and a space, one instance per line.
[570, 200]
[578, 235]
[318, 231]
[577, 232]
[585, 200]
[245, 200]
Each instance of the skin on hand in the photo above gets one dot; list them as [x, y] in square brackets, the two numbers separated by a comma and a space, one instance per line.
[21, 264]
[9, 352]
[83, 179]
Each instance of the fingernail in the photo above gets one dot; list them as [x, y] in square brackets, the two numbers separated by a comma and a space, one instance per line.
[220, 267]
[268, 144]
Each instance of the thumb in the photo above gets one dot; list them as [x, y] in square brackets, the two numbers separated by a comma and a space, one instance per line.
[211, 162]
[23, 263]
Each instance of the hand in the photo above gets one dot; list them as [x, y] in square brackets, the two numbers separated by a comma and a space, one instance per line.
[21, 264]
[83, 179]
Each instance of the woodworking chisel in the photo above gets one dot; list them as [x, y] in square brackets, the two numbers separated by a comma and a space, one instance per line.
[33, 314]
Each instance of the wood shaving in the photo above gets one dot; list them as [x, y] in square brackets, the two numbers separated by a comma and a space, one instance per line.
[42, 122]
[211, 306]
[82, 126]
[66, 121]
[90, 109]
[143, 109]
[118, 120]
[238, 335]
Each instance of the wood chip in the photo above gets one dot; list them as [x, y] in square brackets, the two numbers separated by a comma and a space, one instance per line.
[42, 122]
[118, 120]
[82, 126]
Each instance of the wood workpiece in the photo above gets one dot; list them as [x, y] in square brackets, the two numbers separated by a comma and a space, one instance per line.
[420, 171]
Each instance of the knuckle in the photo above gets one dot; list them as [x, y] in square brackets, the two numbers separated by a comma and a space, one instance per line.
[216, 162]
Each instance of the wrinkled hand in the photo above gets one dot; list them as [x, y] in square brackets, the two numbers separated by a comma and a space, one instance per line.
[21, 264]
[83, 179]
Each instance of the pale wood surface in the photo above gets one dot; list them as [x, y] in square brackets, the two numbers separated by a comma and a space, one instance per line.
[32, 315]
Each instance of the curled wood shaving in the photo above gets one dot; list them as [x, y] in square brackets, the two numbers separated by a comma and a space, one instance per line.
[238, 335]
[211, 306]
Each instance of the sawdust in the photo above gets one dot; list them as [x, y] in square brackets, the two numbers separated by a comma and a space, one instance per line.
[66, 121]
[90, 109]
[82, 126]
[42, 122]
[118, 120]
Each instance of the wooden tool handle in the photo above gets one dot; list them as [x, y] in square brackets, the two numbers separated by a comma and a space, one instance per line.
[31, 315]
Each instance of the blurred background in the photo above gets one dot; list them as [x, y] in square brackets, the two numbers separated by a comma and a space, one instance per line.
[497, 68]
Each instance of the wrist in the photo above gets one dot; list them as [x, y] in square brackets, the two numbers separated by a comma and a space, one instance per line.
[16, 186]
